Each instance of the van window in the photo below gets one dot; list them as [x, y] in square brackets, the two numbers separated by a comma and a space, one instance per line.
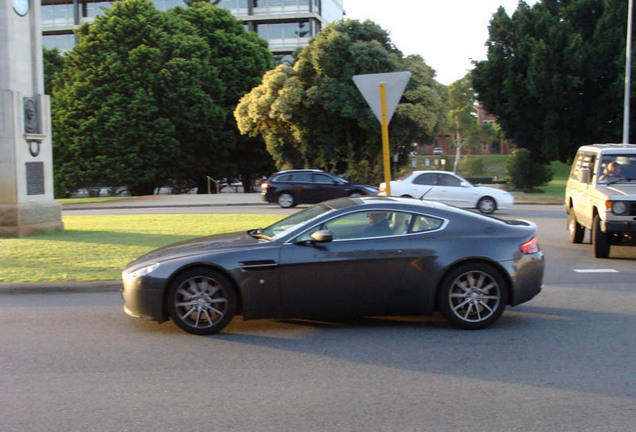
[583, 160]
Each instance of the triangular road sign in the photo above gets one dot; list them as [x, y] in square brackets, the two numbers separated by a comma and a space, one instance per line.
[369, 86]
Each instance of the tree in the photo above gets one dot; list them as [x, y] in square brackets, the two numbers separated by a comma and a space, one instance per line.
[467, 133]
[53, 64]
[553, 75]
[134, 104]
[240, 58]
[312, 115]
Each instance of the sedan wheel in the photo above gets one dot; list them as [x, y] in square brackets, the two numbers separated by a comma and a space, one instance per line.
[286, 200]
[575, 230]
[201, 301]
[473, 296]
[487, 205]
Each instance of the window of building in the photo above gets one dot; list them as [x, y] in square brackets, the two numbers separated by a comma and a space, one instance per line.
[58, 15]
[62, 42]
[293, 30]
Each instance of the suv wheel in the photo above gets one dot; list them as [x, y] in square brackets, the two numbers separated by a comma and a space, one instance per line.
[600, 240]
[286, 200]
[575, 230]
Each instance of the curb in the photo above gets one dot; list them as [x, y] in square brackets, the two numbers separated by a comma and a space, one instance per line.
[59, 287]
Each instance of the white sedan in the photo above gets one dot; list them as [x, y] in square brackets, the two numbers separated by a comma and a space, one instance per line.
[449, 188]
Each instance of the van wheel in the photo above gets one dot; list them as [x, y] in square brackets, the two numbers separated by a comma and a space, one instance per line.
[600, 240]
[576, 231]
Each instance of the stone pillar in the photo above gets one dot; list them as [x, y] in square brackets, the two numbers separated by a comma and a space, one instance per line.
[26, 157]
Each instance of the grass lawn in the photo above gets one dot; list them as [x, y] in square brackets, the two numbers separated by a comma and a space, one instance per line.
[98, 247]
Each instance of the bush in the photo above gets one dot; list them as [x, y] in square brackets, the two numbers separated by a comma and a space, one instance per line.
[472, 166]
[526, 172]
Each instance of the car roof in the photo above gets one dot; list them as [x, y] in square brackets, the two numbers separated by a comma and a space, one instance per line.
[433, 172]
[301, 170]
[607, 148]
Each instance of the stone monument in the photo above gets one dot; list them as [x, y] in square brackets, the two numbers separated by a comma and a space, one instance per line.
[26, 157]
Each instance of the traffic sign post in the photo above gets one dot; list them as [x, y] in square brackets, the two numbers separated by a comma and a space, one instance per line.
[383, 92]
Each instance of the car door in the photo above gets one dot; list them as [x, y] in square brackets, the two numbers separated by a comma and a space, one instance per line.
[304, 187]
[326, 188]
[421, 186]
[353, 274]
[449, 189]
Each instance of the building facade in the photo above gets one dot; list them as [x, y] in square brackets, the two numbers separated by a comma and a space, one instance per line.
[285, 24]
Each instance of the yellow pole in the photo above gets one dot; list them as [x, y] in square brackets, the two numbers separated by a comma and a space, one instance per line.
[385, 140]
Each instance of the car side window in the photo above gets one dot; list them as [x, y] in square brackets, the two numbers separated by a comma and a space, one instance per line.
[302, 177]
[425, 223]
[425, 179]
[323, 179]
[447, 180]
[283, 178]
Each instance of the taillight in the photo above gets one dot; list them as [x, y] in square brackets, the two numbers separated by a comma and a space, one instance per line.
[264, 186]
[382, 188]
[530, 247]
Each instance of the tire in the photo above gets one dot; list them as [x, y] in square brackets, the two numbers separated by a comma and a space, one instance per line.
[576, 231]
[286, 200]
[473, 296]
[487, 205]
[600, 240]
[201, 301]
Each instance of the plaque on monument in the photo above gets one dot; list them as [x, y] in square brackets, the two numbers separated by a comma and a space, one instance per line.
[35, 178]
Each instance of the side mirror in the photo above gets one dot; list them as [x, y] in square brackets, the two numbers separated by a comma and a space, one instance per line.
[584, 175]
[322, 236]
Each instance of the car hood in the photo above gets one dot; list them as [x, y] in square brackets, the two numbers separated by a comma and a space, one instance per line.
[196, 246]
[625, 190]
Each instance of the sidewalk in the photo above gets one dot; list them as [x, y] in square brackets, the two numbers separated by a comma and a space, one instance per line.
[157, 201]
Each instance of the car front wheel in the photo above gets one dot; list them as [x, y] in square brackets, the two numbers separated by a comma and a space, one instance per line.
[600, 240]
[473, 296]
[201, 301]
[575, 230]
[286, 200]
[487, 205]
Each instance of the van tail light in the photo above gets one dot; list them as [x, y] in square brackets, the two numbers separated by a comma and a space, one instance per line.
[530, 247]
[382, 187]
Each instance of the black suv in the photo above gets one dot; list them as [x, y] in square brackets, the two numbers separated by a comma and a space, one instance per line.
[309, 186]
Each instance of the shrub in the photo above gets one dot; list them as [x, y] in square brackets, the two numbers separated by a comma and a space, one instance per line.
[526, 172]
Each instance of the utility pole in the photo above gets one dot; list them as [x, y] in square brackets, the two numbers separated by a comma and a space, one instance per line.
[628, 73]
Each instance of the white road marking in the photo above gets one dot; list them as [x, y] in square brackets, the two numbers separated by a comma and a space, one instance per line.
[595, 271]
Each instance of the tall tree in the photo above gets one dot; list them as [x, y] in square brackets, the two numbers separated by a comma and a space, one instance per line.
[241, 58]
[312, 114]
[134, 106]
[554, 76]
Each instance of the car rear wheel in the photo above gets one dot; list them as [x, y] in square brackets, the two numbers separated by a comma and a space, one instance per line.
[487, 205]
[600, 240]
[576, 231]
[473, 296]
[286, 200]
[201, 301]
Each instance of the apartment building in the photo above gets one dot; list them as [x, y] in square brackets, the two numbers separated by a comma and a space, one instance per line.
[285, 24]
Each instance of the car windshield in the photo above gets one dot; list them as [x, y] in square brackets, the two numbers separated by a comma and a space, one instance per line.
[616, 168]
[290, 223]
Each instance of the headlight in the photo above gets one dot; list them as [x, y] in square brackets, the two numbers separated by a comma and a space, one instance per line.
[619, 208]
[129, 277]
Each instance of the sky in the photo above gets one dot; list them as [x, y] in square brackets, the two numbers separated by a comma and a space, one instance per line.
[446, 33]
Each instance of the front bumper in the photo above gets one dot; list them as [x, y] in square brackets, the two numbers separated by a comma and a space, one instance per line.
[144, 299]
[618, 226]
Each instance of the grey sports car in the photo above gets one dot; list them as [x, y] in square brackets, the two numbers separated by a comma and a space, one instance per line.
[351, 256]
